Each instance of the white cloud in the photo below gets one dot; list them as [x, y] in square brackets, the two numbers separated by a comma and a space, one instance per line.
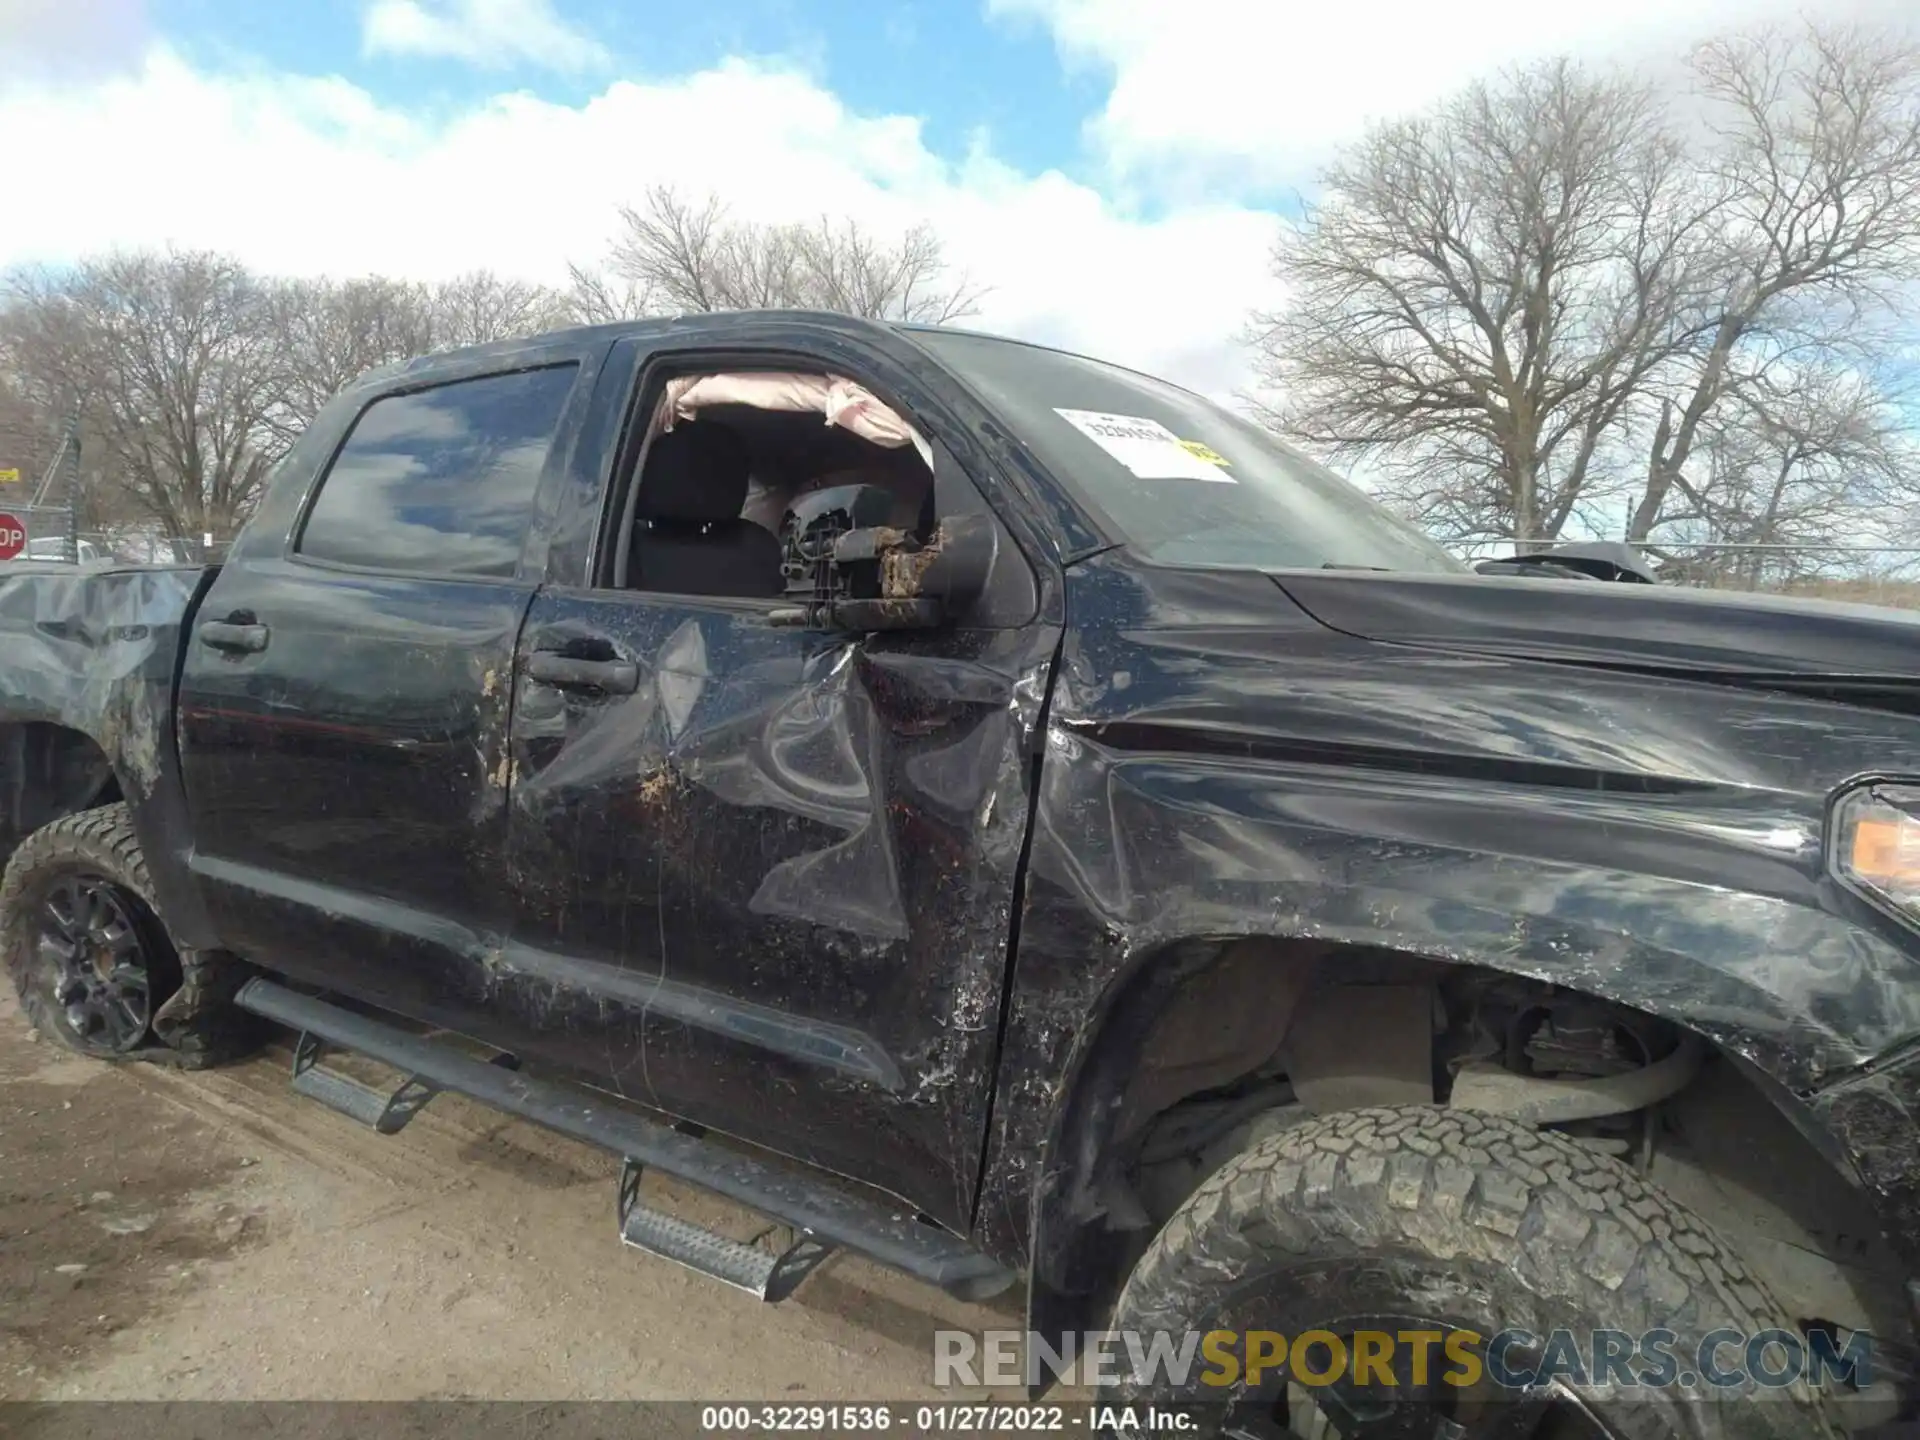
[492, 33]
[68, 37]
[1262, 90]
[311, 175]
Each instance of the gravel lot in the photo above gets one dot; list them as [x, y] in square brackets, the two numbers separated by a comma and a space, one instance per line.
[214, 1236]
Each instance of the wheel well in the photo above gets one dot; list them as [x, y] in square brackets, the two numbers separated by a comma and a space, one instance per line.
[47, 771]
[1214, 1044]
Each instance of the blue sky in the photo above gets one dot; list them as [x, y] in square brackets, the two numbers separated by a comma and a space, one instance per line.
[1115, 172]
[946, 61]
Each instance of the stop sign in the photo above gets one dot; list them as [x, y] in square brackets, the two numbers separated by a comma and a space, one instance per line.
[13, 536]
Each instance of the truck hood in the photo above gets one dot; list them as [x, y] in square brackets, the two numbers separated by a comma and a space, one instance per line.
[1650, 629]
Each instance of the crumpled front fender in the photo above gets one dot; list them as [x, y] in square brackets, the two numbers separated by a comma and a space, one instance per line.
[1219, 764]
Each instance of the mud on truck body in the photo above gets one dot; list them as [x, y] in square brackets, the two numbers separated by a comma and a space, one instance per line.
[1000, 814]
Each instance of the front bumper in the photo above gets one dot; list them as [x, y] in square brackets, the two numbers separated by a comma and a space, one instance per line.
[1874, 1119]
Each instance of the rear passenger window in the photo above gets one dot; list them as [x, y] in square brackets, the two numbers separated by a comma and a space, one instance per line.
[440, 480]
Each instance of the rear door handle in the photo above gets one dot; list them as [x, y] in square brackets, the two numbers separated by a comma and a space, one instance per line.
[610, 677]
[225, 635]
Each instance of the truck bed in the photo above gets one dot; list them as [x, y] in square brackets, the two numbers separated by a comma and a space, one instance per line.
[85, 653]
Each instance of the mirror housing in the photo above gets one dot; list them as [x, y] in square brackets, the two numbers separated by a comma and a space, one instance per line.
[846, 569]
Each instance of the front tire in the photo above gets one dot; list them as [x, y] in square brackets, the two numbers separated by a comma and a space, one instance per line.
[1427, 1219]
[92, 963]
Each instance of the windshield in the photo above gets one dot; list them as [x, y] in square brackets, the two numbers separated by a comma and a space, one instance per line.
[1183, 481]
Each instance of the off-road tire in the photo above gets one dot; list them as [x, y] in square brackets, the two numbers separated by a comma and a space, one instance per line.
[194, 1022]
[1494, 1222]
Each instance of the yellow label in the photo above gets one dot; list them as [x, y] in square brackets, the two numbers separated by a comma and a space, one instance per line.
[1203, 452]
[9, 477]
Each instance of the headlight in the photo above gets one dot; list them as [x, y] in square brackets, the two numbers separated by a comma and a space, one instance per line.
[1876, 843]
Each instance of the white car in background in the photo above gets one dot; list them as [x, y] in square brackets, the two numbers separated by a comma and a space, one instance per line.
[86, 552]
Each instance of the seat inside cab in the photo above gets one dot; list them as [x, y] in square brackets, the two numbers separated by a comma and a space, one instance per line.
[718, 478]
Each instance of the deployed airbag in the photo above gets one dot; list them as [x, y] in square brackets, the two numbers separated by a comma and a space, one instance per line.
[838, 400]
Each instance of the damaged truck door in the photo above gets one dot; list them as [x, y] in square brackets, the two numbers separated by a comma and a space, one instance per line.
[343, 698]
[763, 873]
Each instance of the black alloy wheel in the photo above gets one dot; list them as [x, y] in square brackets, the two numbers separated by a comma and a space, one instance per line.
[95, 962]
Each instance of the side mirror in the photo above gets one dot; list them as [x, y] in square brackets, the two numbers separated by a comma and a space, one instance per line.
[846, 569]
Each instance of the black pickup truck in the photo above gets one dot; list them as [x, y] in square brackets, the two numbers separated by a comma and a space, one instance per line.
[1001, 814]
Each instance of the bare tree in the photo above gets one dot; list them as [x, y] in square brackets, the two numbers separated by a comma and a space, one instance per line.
[1790, 466]
[333, 331]
[681, 256]
[330, 332]
[1816, 175]
[30, 431]
[1482, 293]
[1536, 305]
[172, 361]
[850, 270]
[481, 307]
[35, 420]
[596, 297]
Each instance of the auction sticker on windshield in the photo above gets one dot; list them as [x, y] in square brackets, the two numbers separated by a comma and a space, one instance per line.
[1146, 447]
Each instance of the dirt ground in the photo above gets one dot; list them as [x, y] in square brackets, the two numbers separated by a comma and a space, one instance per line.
[166, 1235]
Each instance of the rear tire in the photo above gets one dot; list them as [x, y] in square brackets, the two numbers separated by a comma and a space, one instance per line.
[92, 963]
[1447, 1220]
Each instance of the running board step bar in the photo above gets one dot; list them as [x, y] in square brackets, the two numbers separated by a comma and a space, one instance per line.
[385, 1111]
[761, 1273]
[818, 1212]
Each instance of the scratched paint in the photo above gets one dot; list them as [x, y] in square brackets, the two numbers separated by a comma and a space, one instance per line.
[1644, 837]
[780, 830]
